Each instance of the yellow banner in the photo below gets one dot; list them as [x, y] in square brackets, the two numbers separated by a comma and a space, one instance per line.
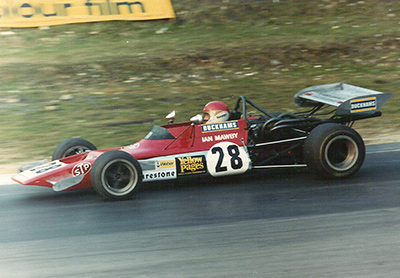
[35, 13]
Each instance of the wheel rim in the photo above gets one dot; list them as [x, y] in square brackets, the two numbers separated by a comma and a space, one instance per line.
[119, 177]
[341, 153]
[75, 150]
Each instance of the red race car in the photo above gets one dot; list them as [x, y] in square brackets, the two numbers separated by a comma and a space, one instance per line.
[251, 138]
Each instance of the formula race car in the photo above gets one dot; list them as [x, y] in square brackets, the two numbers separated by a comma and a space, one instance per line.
[252, 138]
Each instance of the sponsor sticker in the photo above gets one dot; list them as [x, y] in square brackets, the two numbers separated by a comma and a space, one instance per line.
[132, 147]
[163, 170]
[34, 13]
[220, 126]
[46, 167]
[219, 137]
[81, 169]
[42, 169]
[189, 165]
[163, 164]
[159, 175]
[363, 105]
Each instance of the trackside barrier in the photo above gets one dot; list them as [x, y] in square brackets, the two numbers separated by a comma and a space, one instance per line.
[36, 13]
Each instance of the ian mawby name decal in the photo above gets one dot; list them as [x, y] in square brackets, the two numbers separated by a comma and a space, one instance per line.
[220, 126]
[219, 137]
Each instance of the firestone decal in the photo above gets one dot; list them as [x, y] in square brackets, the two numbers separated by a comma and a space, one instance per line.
[159, 175]
[164, 170]
[81, 169]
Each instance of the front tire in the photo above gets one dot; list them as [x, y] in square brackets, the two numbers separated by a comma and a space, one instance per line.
[71, 147]
[334, 151]
[116, 175]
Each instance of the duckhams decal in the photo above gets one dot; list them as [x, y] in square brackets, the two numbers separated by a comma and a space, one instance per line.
[363, 105]
[227, 158]
[219, 127]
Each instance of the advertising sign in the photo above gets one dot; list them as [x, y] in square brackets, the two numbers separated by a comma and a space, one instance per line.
[35, 13]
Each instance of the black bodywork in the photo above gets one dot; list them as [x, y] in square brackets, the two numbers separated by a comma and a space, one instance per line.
[277, 139]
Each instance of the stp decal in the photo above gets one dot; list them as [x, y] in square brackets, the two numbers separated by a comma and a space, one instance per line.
[227, 158]
[81, 169]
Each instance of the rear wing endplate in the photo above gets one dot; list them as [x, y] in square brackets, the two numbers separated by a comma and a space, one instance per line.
[348, 99]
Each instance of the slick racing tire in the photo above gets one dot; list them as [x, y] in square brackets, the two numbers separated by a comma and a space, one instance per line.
[334, 151]
[72, 146]
[116, 175]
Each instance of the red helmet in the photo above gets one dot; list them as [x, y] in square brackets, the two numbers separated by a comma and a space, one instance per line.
[216, 112]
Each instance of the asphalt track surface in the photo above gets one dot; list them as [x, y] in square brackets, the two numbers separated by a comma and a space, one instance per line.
[265, 224]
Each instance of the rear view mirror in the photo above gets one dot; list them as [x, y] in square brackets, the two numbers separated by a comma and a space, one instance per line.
[198, 119]
[171, 117]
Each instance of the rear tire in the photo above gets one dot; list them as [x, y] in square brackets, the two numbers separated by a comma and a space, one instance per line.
[334, 151]
[116, 175]
[71, 147]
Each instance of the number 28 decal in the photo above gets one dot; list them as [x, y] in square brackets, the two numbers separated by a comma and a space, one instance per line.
[227, 158]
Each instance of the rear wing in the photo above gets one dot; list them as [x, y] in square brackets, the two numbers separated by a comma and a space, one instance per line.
[348, 99]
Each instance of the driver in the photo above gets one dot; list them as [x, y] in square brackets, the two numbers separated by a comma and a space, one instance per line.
[216, 112]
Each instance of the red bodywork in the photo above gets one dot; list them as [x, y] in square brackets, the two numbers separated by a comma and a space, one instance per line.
[187, 138]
